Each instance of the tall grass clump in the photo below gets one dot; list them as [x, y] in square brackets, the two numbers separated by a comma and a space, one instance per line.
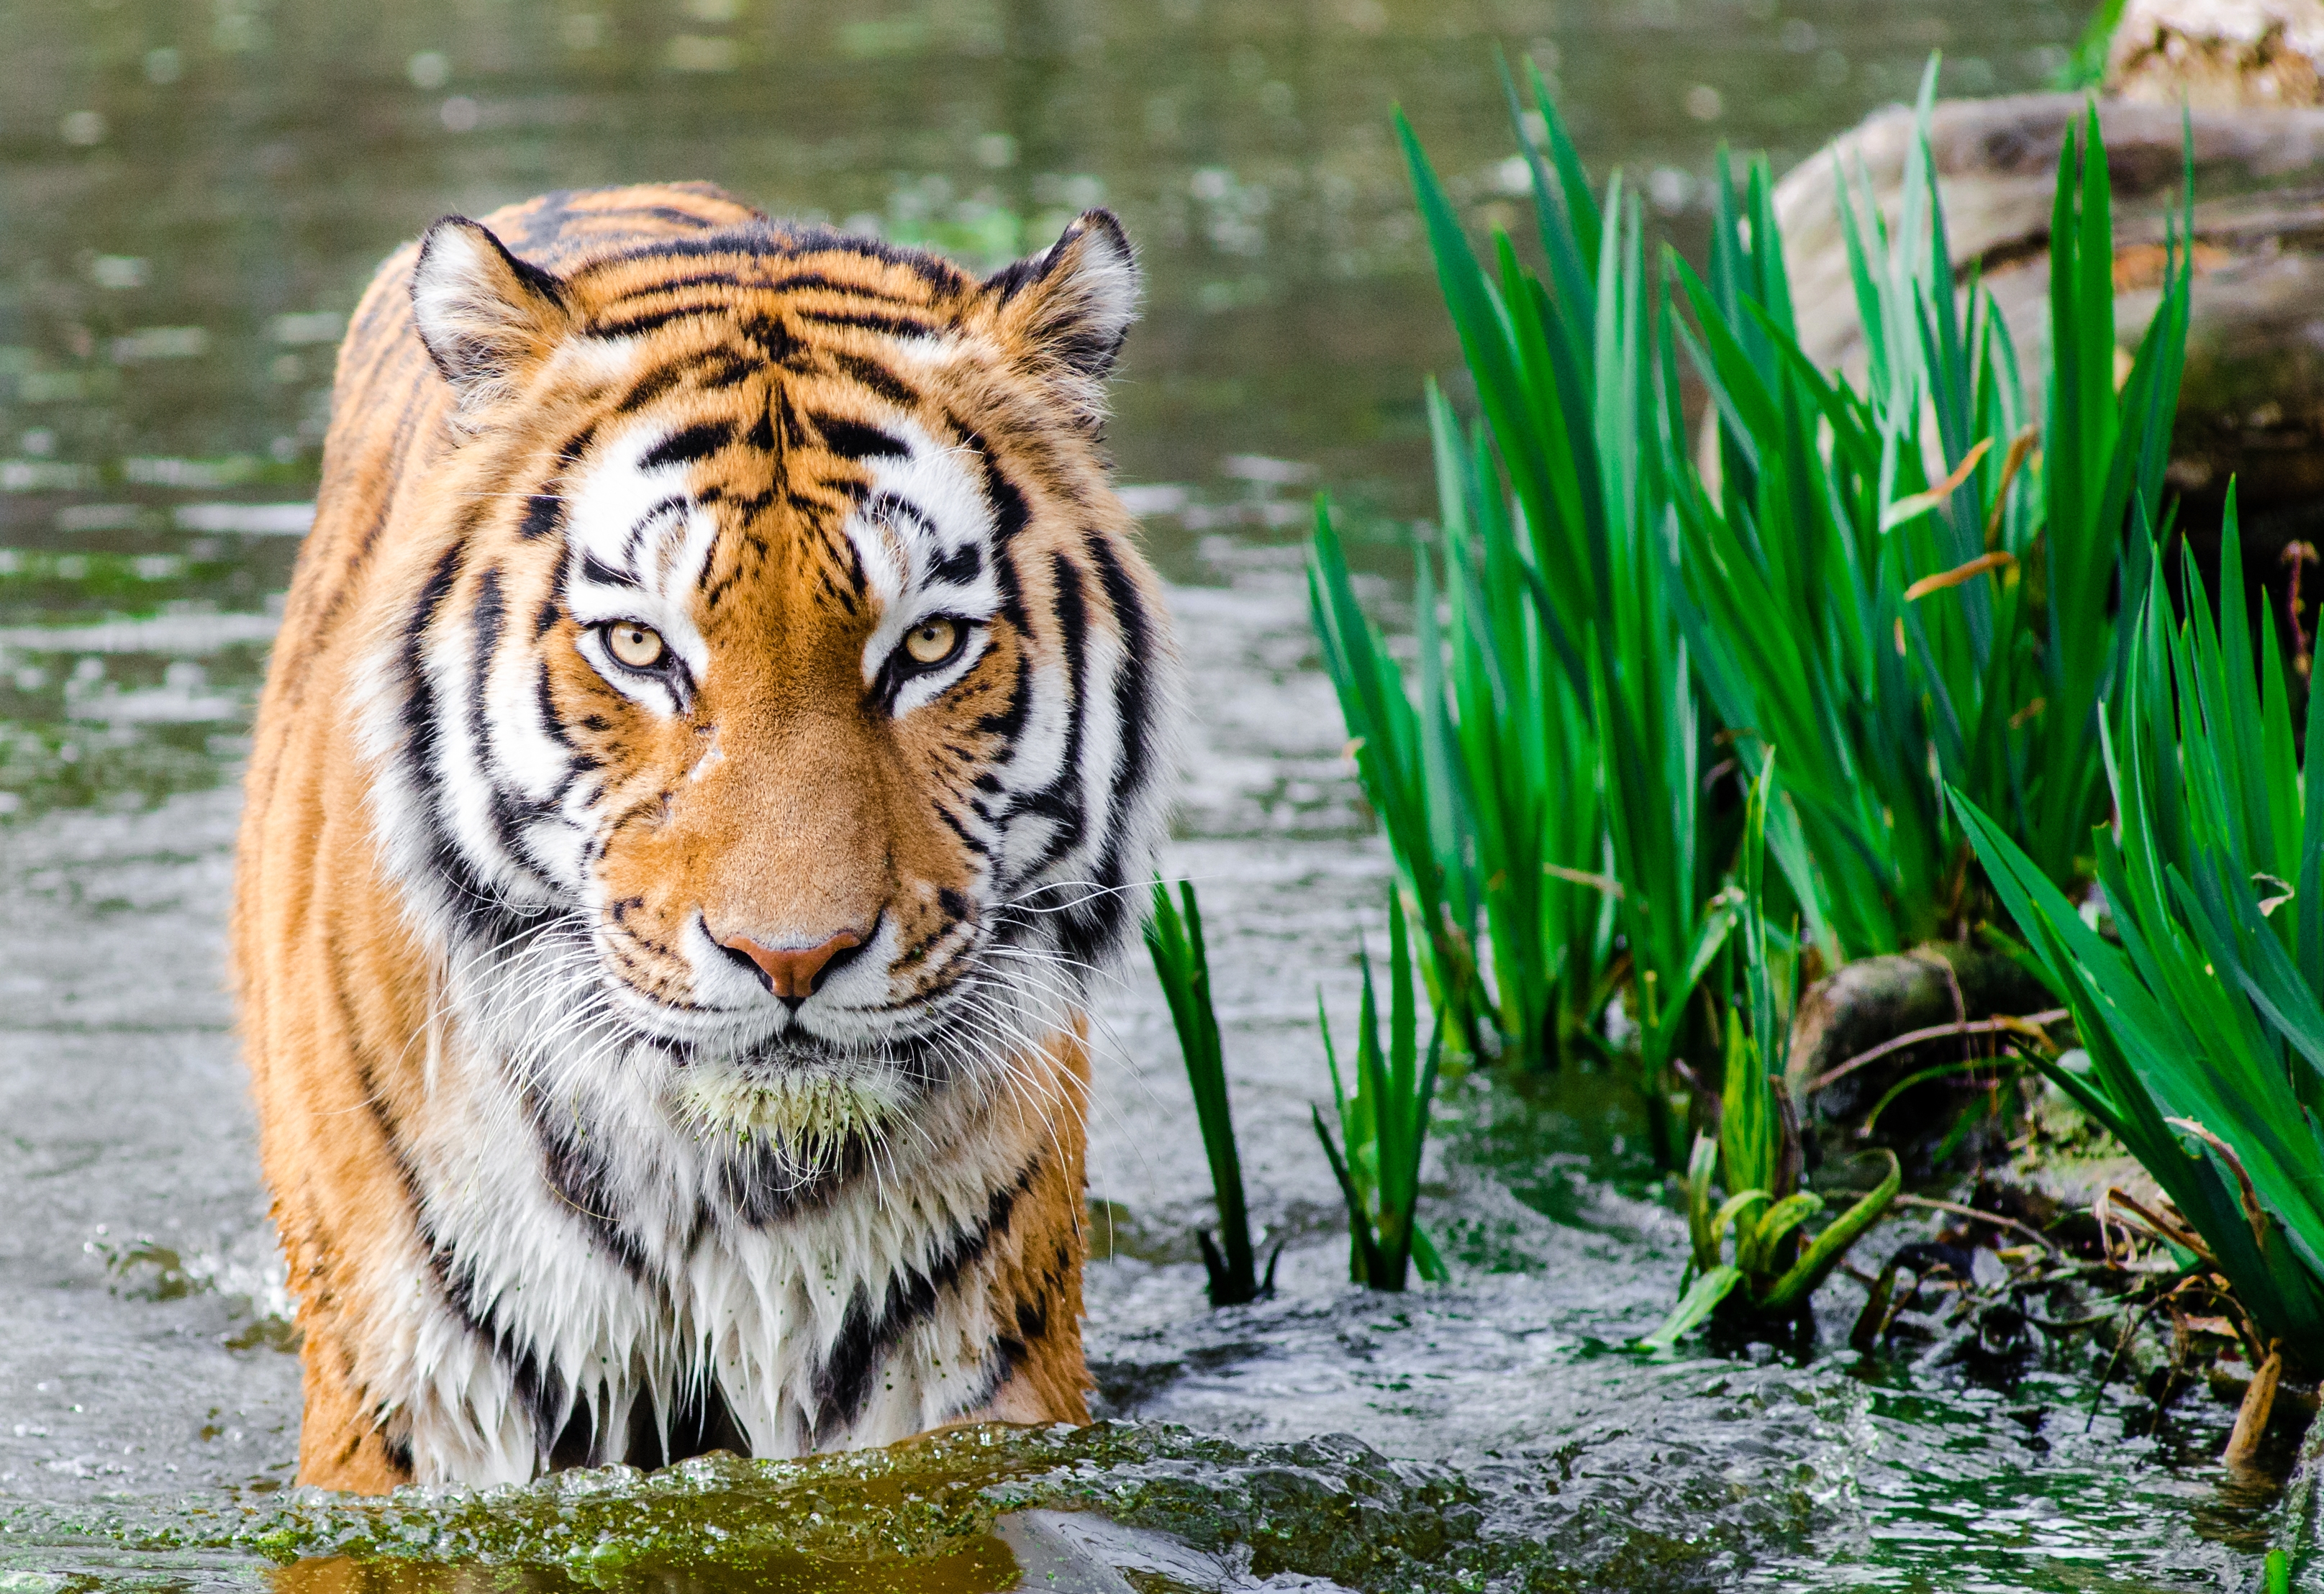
[1173, 937]
[1540, 776]
[1383, 1118]
[1900, 580]
[1756, 1156]
[2203, 1026]
[1910, 587]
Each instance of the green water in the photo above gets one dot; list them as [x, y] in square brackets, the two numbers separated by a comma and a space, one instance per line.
[191, 196]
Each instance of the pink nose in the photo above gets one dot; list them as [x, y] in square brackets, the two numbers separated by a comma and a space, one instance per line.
[791, 975]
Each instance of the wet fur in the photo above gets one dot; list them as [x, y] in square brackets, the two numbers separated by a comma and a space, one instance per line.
[557, 1181]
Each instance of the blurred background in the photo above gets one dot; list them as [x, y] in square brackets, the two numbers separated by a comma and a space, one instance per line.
[193, 193]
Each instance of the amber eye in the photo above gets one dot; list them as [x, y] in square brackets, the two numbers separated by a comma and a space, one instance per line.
[933, 640]
[640, 646]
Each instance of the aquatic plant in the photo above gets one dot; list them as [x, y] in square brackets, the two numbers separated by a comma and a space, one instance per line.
[2203, 1027]
[1896, 585]
[1384, 1124]
[1928, 596]
[1547, 785]
[1402, 758]
[1754, 1157]
[1174, 939]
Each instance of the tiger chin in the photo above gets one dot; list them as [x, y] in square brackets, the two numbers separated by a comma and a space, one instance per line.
[720, 719]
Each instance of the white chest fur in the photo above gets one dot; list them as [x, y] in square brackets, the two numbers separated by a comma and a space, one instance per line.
[584, 1250]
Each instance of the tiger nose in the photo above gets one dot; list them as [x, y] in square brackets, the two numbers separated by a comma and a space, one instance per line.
[789, 973]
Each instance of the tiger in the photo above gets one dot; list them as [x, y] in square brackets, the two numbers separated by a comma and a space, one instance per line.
[721, 719]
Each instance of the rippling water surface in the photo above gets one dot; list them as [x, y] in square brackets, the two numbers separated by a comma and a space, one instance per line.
[191, 196]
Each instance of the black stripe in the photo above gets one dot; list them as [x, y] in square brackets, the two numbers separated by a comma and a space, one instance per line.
[889, 507]
[788, 428]
[584, 1181]
[575, 447]
[894, 326]
[1091, 927]
[867, 1334]
[635, 543]
[1130, 681]
[489, 617]
[698, 280]
[699, 441]
[544, 516]
[477, 913]
[877, 377]
[851, 440]
[933, 269]
[1062, 800]
[743, 239]
[1011, 720]
[1010, 514]
[770, 335]
[646, 321]
[805, 279]
[715, 372]
[510, 812]
[652, 386]
[604, 575]
[538, 1390]
[960, 566]
[953, 824]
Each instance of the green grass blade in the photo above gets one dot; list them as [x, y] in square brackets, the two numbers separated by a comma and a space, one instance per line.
[1823, 1255]
[1694, 1307]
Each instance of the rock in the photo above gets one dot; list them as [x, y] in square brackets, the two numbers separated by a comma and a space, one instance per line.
[2217, 54]
[2252, 403]
[1874, 1000]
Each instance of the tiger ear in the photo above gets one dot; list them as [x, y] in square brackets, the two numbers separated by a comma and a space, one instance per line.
[486, 317]
[1066, 309]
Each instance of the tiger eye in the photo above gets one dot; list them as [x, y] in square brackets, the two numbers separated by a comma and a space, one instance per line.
[932, 640]
[640, 646]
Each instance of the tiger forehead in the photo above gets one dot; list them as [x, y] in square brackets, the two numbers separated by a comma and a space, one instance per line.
[806, 287]
[846, 504]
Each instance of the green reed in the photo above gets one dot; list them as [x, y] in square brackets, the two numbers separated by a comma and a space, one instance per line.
[1384, 1125]
[1542, 786]
[1756, 1155]
[2203, 1027]
[1899, 581]
[1173, 937]
[1907, 587]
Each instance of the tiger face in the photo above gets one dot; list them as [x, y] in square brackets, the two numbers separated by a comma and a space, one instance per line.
[775, 738]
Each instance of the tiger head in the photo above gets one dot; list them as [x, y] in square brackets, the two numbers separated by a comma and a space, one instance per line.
[781, 716]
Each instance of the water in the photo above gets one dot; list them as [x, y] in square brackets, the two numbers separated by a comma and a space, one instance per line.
[191, 196]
